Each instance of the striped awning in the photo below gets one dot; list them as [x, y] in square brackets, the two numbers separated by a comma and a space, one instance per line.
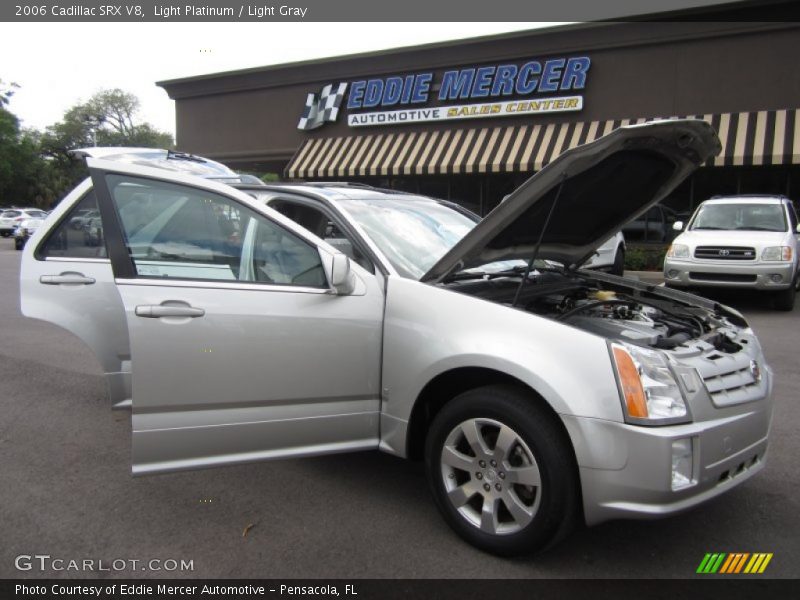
[748, 138]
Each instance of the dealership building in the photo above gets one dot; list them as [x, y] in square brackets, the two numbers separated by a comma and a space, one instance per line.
[470, 120]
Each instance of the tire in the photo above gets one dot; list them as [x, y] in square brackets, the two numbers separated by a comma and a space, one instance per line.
[784, 300]
[18, 244]
[618, 268]
[523, 517]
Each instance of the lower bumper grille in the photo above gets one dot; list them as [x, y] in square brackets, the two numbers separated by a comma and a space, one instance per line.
[732, 277]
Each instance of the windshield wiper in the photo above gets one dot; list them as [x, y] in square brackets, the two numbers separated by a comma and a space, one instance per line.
[519, 269]
[173, 155]
[756, 229]
[466, 275]
[714, 228]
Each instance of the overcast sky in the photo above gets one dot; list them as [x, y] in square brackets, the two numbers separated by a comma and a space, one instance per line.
[58, 65]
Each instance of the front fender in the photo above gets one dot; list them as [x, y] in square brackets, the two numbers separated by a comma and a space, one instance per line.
[430, 330]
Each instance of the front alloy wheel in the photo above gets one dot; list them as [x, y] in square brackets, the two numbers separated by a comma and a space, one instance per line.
[491, 476]
[502, 471]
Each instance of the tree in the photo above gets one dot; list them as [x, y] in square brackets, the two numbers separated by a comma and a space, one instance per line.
[6, 91]
[22, 169]
[108, 118]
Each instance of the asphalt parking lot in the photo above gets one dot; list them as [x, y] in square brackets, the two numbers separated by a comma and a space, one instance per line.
[66, 490]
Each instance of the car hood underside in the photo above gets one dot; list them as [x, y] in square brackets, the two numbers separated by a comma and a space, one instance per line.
[584, 196]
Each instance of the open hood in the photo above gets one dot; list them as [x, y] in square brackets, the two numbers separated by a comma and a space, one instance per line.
[597, 188]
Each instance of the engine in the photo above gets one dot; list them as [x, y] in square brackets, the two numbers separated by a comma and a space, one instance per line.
[612, 310]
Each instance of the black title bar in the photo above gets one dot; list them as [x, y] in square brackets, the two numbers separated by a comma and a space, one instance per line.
[342, 10]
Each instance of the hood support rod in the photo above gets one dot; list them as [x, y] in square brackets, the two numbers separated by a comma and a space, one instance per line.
[539, 241]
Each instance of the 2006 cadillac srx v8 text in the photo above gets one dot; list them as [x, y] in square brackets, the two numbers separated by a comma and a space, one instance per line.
[302, 319]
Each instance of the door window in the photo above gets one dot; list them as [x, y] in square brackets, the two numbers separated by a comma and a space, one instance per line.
[175, 231]
[316, 221]
[78, 235]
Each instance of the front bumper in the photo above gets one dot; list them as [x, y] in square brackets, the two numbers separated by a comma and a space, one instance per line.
[755, 275]
[626, 470]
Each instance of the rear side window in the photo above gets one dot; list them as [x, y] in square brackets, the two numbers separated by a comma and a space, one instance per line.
[78, 235]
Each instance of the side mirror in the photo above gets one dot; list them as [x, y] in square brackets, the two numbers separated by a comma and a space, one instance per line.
[797, 229]
[343, 281]
[677, 226]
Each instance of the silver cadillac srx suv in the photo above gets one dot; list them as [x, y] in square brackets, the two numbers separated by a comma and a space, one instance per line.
[295, 320]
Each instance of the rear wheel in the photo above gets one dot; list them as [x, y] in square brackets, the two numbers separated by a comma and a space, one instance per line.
[502, 471]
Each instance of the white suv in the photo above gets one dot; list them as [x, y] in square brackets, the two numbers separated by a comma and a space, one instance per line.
[739, 242]
[14, 216]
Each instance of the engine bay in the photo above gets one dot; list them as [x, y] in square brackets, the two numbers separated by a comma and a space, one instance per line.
[610, 307]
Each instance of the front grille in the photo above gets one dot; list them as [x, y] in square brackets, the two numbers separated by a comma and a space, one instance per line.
[732, 277]
[732, 386]
[725, 253]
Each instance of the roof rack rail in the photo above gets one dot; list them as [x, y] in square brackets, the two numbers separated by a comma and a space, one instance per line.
[354, 184]
[719, 196]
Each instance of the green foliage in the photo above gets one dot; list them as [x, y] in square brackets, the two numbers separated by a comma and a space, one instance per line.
[268, 177]
[6, 91]
[23, 173]
[35, 167]
[643, 258]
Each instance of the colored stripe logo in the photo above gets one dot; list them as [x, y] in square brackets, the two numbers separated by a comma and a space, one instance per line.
[734, 563]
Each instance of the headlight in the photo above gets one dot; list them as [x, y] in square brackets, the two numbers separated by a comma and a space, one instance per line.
[777, 253]
[650, 394]
[678, 251]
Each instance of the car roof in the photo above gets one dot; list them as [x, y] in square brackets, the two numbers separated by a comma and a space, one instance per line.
[170, 160]
[334, 189]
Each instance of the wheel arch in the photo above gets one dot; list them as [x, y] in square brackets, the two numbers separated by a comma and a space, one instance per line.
[447, 385]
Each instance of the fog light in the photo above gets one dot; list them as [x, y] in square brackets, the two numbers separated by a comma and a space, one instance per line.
[672, 273]
[682, 463]
[776, 277]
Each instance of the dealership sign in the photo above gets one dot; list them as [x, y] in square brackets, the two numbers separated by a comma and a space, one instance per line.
[468, 93]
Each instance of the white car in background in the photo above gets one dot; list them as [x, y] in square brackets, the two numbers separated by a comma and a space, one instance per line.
[746, 242]
[12, 217]
[610, 256]
[24, 230]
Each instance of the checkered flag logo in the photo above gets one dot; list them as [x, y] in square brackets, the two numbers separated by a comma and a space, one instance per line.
[323, 108]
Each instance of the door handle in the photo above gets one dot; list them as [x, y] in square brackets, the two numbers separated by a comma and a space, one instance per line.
[66, 278]
[156, 311]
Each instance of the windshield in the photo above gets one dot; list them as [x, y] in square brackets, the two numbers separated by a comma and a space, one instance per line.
[752, 217]
[415, 232]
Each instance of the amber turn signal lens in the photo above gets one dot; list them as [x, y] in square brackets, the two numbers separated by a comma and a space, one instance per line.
[631, 384]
